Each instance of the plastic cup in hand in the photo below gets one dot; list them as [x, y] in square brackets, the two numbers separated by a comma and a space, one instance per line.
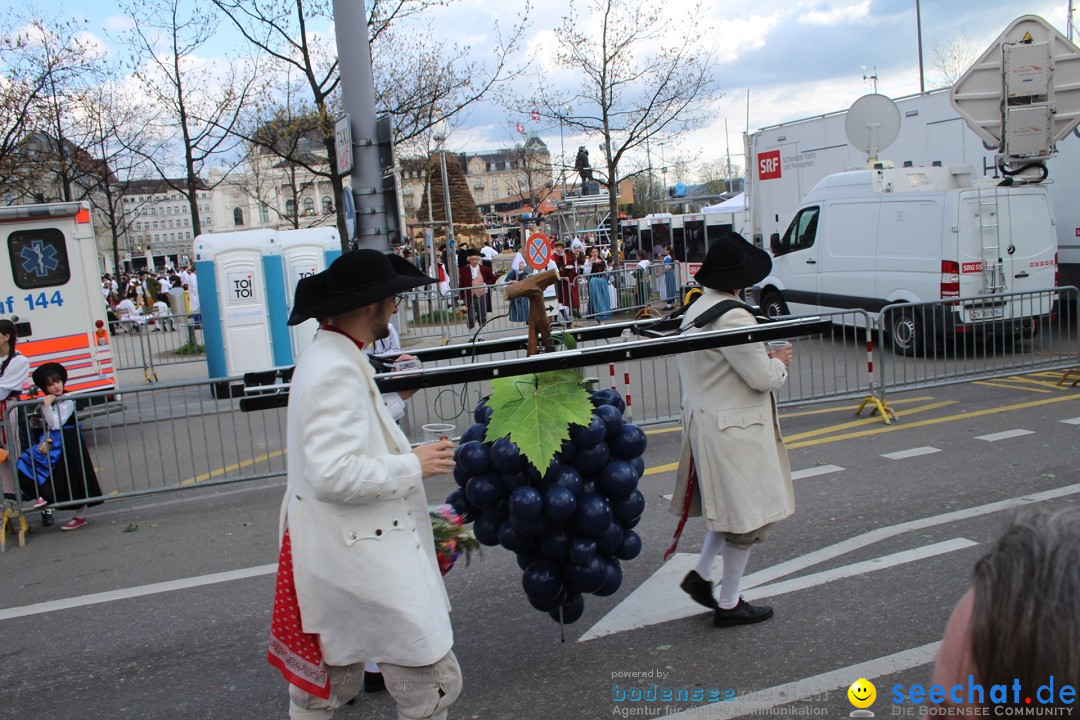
[434, 432]
[775, 345]
[413, 364]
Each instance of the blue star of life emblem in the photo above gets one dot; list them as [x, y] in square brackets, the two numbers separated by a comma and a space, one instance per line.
[39, 259]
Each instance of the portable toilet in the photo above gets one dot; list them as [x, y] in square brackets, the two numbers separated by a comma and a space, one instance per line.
[242, 295]
[304, 252]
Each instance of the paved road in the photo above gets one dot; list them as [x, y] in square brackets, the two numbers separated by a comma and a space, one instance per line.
[159, 607]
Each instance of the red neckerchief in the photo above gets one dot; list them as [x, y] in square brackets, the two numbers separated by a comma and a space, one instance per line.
[331, 328]
[292, 651]
[691, 490]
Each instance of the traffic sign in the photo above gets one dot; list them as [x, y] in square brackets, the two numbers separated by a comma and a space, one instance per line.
[343, 144]
[538, 251]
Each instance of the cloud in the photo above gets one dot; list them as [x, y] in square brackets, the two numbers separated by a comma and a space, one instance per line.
[118, 23]
[836, 15]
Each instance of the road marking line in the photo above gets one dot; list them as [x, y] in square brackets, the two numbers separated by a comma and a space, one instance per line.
[133, 592]
[1040, 383]
[1009, 387]
[667, 497]
[862, 422]
[1004, 435]
[805, 413]
[1072, 421]
[935, 421]
[811, 472]
[851, 408]
[659, 599]
[234, 466]
[859, 568]
[761, 700]
[913, 452]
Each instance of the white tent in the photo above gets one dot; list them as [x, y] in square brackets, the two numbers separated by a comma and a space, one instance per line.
[734, 204]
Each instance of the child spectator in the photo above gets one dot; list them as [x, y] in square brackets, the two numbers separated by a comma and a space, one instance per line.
[162, 316]
[60, 463]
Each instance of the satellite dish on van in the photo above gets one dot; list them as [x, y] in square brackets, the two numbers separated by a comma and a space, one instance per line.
[872, 124]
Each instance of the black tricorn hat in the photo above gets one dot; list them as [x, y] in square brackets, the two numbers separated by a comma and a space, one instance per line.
[473, 252]
[42, 374]
[355, 279]
[732, 263]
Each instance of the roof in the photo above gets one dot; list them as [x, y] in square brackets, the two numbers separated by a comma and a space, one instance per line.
[158, 186]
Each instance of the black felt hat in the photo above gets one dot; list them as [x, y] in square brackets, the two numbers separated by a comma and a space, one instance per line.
[732, 263]
[355, 279]
[42, 374]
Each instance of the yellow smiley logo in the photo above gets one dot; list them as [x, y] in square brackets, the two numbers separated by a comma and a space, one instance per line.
[862, 693]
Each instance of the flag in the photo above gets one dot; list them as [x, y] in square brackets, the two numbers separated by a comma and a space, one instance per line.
[520, 128]
[535, 115]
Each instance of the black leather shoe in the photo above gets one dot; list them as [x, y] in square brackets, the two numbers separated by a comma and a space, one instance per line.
[373, 682]
[742, 614]
[700, 589]
[47, 518]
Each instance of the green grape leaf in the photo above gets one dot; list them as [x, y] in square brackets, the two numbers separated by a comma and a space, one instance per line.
[536, 412]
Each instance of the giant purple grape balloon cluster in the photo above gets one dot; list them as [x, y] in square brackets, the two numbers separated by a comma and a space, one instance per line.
[570, 525]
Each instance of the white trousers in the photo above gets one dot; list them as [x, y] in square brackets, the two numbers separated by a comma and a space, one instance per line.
[421, 693]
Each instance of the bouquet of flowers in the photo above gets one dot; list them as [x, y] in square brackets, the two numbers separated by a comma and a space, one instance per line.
[452, 536]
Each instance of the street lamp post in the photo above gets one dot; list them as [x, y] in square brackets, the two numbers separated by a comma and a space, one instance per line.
[451, 249]
[918, 29]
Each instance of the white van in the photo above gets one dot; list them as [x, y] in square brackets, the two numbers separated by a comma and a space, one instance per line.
[871, 238]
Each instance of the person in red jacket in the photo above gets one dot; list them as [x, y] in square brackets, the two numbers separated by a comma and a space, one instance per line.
[474, 283]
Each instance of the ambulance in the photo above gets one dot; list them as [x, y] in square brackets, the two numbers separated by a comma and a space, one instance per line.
[51, 289]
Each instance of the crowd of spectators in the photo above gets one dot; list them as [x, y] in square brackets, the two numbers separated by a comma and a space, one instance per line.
[151, 298]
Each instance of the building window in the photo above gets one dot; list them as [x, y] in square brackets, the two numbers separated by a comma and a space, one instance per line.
[328, 205]
[264, 212]
[290, 208]
[238, 216]
[309, 206]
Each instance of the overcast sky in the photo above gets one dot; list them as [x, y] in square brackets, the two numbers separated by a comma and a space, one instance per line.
[797, 58]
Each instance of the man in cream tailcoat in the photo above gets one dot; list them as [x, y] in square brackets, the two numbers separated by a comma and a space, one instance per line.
[358, 557]
[734, 468]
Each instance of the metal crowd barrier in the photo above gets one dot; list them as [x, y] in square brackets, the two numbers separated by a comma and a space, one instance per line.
[631, 289]
[176, 436]
[155, 341]
[159, 438]
[976, 338]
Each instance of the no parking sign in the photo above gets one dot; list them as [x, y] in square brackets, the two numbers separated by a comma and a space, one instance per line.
[538, 251]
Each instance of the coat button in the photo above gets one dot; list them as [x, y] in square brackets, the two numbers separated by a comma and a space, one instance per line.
[378, 532]
[352, 535]
[395, 523]
[299, 498]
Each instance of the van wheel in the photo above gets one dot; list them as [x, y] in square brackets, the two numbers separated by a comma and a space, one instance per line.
[908, 334]
[773, 305]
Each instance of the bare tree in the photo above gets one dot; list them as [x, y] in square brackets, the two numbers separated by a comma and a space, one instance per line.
[719, 175]
[112, 122]
[285, 153]
[952, 58]
[643, 76]
[46, 64]
[201, 102]
[419, 81]
[55, 162]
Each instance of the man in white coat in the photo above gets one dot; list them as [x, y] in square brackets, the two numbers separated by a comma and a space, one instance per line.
[358, 578]
[734, 467]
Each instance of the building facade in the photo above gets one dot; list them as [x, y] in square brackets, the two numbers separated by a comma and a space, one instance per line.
[157, 222]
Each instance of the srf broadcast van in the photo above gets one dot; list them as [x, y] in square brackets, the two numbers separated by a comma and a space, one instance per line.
[872, 238]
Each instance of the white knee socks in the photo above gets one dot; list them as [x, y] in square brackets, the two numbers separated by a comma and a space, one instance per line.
[713, 542]
[734, 566]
